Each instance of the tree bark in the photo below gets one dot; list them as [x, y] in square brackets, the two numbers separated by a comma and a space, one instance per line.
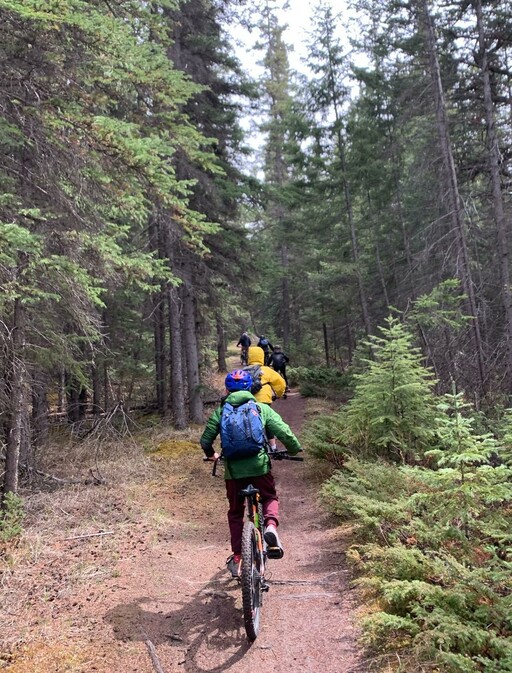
[493, 157]
[96, 388]
[191, 347]
[178, 407]
[455, 205]
[175, 314]
[17, 404]
[221, 346]
[76, 398]
[326, 345]
[159, 324]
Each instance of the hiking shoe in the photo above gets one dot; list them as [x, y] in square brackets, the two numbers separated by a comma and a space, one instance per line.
[274, 547]
[233, 564]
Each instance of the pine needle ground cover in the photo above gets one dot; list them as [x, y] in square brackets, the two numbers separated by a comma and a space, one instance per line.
[429, 496]
[77, 534]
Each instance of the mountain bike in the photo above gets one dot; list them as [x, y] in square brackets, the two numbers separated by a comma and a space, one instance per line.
[255, 553]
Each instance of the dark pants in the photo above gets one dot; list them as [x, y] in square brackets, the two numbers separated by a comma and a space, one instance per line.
[270, 501]
[282, 370]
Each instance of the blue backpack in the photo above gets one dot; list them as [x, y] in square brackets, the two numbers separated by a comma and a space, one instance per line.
[242, 434]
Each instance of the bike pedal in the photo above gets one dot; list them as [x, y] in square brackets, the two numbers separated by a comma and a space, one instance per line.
[275, 552]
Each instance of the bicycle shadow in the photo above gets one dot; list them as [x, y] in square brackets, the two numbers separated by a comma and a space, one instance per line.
[199, 629]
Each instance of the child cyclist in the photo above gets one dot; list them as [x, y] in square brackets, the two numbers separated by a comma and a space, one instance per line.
[254, 469]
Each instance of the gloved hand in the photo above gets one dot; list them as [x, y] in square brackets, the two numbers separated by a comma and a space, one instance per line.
[215, 456]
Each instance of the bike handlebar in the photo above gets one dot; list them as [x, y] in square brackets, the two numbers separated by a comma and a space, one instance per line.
[214, 461]
[284, 455]
[276, 455]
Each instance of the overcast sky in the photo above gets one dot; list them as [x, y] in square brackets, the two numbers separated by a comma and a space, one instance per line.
[298, 19]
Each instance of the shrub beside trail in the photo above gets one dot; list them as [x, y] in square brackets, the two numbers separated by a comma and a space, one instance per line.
[428, 494]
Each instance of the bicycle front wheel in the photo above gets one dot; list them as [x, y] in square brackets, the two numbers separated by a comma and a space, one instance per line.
[251, 580]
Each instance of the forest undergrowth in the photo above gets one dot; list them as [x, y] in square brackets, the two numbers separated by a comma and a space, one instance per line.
[426, 483]
[76, 531]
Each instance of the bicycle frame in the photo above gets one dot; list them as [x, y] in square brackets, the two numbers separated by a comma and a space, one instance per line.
[254, 514]
[254, 556]
[254, 553]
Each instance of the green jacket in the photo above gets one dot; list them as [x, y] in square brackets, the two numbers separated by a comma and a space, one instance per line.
[254, 466]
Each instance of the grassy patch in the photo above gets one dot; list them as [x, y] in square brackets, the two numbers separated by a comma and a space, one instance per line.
[44, 657]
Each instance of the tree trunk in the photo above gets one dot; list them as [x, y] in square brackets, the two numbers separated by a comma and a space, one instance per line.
[381, 274]
[106, 386]
[191, 348]
[76, 396]
[285, 296]
[334, 343]
[96, 388]
[326, 345]
[350, 345]
[175, 313]
[17, 403]
[178, 407]
[159, 324]
[493, 157]
[160, 354]
[221, 346]
[61, 394]
[455, 205]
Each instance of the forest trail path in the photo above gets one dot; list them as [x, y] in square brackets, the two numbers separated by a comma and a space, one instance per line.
[191, 609]
[169, 602]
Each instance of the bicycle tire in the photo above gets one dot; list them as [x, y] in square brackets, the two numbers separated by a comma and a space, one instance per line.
[250, 580]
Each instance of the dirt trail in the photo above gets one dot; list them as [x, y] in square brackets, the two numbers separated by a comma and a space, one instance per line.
[171, 604]
[191, 611]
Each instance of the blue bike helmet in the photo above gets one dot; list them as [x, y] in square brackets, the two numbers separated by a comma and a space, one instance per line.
[239, 379]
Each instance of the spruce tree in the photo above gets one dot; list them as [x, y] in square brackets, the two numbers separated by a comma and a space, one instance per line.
[391, 413]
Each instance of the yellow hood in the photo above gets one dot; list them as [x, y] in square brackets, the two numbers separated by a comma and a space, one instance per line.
[256, 356]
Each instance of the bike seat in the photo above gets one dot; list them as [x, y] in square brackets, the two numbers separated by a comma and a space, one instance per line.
[249, 491]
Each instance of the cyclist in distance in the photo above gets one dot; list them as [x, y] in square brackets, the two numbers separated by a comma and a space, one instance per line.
[254, 469]
[244, 342]
[279, 360]
[267, 384]
[267, 347]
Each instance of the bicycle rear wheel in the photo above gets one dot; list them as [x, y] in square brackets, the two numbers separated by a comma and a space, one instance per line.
[251, 580]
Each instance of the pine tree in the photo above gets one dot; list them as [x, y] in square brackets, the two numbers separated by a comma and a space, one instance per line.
[391, 413]
[82, 170]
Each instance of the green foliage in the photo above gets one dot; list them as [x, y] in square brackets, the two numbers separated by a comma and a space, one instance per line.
[387, 632]
[324, 438]
[469, 491]
[392, 409]
[11, 517]
[320, 381]
[442, 307]
[505, 430]
[434, 546]
[92, 129]
[440, 598]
